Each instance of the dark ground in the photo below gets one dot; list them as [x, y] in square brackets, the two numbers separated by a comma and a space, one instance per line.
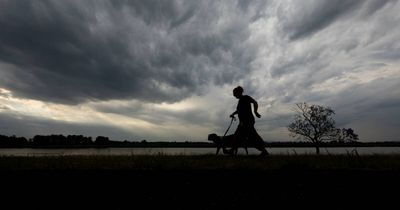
[199, 189]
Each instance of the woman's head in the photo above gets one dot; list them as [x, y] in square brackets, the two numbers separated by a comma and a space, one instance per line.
[238, 92]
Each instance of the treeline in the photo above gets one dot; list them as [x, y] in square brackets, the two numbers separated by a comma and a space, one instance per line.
[80, 141]
[52, 140]
[335, 144]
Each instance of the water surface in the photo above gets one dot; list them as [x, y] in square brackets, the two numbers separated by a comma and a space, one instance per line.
[192, 151]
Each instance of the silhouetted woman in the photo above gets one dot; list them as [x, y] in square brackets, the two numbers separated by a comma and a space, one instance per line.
[245, 130]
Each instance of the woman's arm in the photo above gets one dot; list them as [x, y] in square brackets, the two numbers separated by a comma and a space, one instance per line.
[255, 105]
[233, 114]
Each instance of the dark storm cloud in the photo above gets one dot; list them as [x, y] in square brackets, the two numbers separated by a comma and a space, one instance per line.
[360, 100]
[363, 39]
[74, 51]
[373, 6]
[312, 16]
[286, 65]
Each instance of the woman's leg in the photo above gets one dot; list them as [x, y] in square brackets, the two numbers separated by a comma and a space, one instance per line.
[256, 140]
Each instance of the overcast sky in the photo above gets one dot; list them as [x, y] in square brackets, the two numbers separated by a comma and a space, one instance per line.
[165, 70]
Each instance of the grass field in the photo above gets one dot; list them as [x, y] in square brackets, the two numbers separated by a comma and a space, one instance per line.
[203, 162]
[200, 181]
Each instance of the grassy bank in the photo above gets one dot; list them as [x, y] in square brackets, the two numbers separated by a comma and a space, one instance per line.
[203, 162]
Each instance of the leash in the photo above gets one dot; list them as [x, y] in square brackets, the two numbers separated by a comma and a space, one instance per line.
[233, 119]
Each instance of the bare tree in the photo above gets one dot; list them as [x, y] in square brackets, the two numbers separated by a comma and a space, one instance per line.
[313, 123]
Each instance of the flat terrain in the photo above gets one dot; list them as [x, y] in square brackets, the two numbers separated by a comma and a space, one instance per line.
[200, 182]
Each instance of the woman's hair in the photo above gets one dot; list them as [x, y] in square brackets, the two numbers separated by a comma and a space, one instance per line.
[238, 89]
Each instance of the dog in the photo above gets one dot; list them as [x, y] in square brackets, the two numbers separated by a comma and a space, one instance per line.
[227, 141]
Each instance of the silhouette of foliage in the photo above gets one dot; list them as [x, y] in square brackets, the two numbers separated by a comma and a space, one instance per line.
[60, 140]
[346, 135]
[83, 141]
[13, 141]
[101, 140]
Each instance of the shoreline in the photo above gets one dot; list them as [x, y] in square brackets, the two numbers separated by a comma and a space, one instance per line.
[183, 145]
